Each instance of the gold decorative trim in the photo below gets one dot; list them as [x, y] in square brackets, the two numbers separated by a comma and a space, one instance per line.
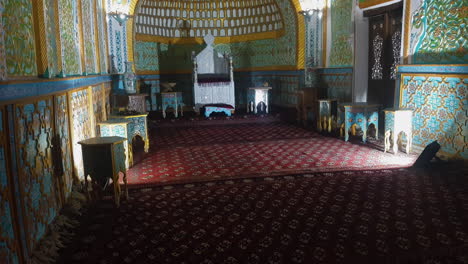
[431, 65]
[127, 116]
[300, 31]
[267, 68]
[449, 75]
[218, 40]
[40, 39]
[130, 37]
[407, 31]
[369, 3]
[146, 72]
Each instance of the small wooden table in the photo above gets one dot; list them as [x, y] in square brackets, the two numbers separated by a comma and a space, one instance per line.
[118, 127]
[174, 100]
[136, 126]
[307, 105]
[328, 114]
[255, 96]
[131, 102]
[104, 158]
[137, 102]
[361, 114]
[396, 121]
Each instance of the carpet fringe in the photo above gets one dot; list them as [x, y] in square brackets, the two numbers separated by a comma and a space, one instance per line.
[60, 231]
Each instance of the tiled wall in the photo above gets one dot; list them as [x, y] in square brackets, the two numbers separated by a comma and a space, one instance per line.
[336, 83]
[440, 103]
[42, 158]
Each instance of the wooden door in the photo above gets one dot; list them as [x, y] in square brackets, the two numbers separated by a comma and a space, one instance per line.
[384, 55]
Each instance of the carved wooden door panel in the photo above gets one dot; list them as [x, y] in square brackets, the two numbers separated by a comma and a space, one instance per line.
[384, 55]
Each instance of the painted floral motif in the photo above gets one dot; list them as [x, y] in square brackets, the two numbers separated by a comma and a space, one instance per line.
[69, 37]
[50, 36]
[419, 99]
[341, 53]
[89, 36]
[452, 103]
[102, 39]
[433, 124]
[20, 48]
[146, 56]
[440, 40]
[434, 100]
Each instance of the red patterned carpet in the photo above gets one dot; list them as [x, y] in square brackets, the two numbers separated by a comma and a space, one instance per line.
[377, 216]
[187, 152]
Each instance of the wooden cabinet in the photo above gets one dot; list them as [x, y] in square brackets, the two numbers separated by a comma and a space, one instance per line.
[307, 106]
[104, 158]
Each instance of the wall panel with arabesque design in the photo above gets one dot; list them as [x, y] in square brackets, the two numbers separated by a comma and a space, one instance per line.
[439, 100]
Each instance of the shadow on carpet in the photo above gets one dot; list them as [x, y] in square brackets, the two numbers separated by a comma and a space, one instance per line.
[205, 153]
[378, 216]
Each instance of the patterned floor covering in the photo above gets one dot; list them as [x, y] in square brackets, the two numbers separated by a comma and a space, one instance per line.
[370, 216]
[226, 150]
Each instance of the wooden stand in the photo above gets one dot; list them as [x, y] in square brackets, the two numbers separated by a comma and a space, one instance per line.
[104, 158]
[328, 114]
[306, 105]
[259, 95]
[396, 121]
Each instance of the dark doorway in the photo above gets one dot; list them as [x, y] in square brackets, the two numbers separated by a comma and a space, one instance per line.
[384, 53]
[138, 149]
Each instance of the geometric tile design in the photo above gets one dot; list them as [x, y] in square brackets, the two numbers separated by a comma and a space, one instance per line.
[39, 199]
[440, 110]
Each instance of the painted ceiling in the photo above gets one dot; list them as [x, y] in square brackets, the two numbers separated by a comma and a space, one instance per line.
[165, 21]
